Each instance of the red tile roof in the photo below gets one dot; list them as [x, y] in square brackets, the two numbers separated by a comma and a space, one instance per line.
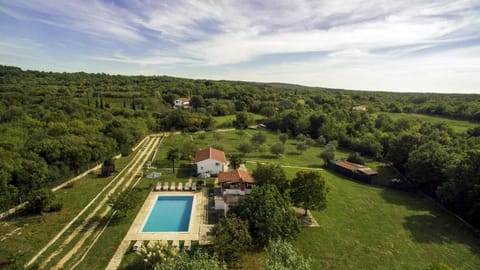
[356, 167]
[349, 165]
[185, 99]
[235, 176]
[210, 153]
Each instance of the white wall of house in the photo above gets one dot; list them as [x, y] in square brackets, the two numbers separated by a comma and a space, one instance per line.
[219, 203]
[178, 103]
[210, 166]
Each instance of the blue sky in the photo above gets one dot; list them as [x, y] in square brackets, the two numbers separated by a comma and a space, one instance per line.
[386, 45]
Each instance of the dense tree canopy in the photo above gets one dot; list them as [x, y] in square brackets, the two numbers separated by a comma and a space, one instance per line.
[271, 174]
[269, 215]
[231, 239]
[55, 125]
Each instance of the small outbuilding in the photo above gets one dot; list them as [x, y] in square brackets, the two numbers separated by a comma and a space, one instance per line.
[360, 108]
[354, 170]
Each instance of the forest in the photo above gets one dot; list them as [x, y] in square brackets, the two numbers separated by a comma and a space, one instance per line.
[55, 125]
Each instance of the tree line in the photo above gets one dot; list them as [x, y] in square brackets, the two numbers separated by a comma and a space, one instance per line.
[54, 125]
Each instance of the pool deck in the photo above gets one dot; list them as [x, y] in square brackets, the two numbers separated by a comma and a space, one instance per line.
[200, 201]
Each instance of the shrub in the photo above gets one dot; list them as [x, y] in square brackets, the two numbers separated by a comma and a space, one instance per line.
[356, 158]
[281, 255]
[56, 206]
[40, 200]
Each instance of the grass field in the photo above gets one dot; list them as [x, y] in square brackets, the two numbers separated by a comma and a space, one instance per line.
[37, 230]
[456, 125]
[101, 253]
[229, 140]
[227, 120]
[364, 226]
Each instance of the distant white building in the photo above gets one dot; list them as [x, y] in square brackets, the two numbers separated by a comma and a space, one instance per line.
[182, 102]
[210, 161]
[360, 108]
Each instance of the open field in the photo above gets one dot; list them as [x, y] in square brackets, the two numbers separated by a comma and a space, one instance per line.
[364, 226]
[229, 140]
[101, 253]
[37, 230]
[227, 120]
[456, 125]
[53, 239]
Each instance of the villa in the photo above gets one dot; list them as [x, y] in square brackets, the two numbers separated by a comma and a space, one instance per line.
[210, 161]
[233, 185]
[183, 102]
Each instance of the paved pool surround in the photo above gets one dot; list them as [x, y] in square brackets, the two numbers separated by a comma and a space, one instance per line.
[196, 218]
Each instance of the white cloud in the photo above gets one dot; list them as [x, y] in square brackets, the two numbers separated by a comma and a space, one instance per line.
[366, 43]
[89, 16]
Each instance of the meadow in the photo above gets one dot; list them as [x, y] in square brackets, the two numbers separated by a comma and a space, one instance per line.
[456, 125]
[364, 226]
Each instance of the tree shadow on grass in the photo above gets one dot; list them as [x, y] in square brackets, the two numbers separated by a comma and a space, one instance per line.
[267, 156]
[317, 166]
[410, 200]
[441, 229]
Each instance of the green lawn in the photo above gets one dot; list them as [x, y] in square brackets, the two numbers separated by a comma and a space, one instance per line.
[37, 230]
[227, 120]
[456, 125]
[366, 227]
[103, 250]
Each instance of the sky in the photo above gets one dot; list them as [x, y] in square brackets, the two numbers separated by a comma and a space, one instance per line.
[411, 46]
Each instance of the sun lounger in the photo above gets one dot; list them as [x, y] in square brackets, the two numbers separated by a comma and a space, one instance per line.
[172, 186]
[158, 187]
[176, 243]
[185, 187]
[194, 187]
[180, 186]
[165, 186]
[189, 184]
[187, 245]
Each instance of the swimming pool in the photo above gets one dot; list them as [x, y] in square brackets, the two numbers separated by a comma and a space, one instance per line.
[169, 214]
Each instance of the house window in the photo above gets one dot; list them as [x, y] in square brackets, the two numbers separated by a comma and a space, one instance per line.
[218, 164]
[201, 168]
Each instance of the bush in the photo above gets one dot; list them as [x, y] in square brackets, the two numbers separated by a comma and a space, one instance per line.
[283, 137]
[56, 206]
[277, 149]
[40, 200]
[281, 255]
[356, 158]
[320, 141]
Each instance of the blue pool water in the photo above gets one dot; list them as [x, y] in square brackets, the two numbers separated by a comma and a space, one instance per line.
[169, 214]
